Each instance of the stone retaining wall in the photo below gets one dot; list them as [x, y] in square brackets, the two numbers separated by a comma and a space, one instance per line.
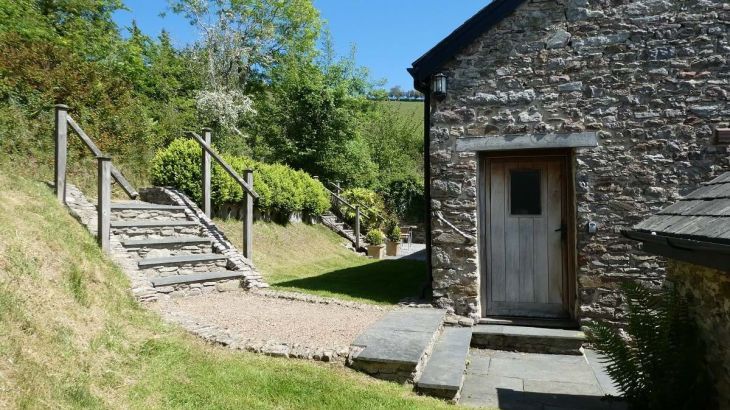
[708, 294]
[650, 77]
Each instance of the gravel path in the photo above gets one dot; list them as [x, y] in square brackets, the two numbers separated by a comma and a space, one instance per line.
[263, 317]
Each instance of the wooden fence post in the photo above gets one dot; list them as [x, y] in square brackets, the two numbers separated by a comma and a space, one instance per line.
[357, 228]
[207, 132]
[61, 152]
[248, 216]
[103, 207]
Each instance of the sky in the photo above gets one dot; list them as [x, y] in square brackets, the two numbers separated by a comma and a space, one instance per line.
[388, 34]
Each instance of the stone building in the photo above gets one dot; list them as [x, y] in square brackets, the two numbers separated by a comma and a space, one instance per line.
[694, 234]
[551, 125]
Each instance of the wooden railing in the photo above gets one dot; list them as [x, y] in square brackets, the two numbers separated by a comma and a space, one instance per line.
[249, 194]
[336, 200]
[105, 172]
[370, 211]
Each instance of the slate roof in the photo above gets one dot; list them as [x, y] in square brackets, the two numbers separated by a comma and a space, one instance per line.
[464, 35]
[703, 215]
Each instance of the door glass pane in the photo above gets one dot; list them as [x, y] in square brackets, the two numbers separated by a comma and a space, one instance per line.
[525, 192]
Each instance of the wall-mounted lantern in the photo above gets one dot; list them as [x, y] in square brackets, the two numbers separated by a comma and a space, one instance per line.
[438, 86]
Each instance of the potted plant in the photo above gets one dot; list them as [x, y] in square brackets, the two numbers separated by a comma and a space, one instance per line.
[375, 239]
[392, 247]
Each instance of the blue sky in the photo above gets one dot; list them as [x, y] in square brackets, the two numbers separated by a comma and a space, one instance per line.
[389, 34]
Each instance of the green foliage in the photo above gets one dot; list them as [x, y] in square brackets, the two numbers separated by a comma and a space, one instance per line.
[405, 198]
[309, 118]
[395, 138]
[392, 230]
[661, 365]
[281, 189]
[375, 237]
[372, 209]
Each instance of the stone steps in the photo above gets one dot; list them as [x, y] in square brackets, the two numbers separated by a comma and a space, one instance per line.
[136, 210]
[195, 278]
[164, 242]
[147, 206]
[149, 229]
[443, 374]
[179, 260]
[528, 339]
[171, 246]
[397, 346]
[530, 322]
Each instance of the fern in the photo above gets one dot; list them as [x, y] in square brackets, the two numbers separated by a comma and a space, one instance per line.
[660, 365]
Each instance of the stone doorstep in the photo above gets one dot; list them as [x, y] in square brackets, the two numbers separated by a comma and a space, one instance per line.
[179, 259]
[195, 278]
[444, 371]
[528, 339]
[530, 322]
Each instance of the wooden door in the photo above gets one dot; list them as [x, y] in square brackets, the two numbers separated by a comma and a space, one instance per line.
[526, 262]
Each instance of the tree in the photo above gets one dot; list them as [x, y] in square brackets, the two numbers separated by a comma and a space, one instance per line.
[396, 92]
[242, 40]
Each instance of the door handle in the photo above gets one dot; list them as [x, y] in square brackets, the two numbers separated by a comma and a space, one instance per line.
[563, 231]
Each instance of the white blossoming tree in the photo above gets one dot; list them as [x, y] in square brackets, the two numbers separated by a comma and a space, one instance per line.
[241, 40]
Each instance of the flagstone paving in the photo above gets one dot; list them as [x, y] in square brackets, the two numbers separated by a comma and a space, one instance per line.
[511, 380]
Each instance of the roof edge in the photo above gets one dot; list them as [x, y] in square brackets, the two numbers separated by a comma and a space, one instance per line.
[464, 35]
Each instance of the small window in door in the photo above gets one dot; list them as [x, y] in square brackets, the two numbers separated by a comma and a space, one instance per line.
[525, 192]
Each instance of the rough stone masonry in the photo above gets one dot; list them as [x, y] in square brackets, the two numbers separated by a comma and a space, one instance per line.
[651, 77]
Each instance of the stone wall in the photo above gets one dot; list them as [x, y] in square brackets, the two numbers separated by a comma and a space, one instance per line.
[708, 295]
[651, 77]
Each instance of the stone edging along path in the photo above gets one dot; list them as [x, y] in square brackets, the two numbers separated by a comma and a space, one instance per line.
[85, 212]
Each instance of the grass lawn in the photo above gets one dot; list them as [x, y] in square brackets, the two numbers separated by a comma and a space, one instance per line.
[71, 335]
[311, 259]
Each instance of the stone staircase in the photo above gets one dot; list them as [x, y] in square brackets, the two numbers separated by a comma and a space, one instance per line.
[173, 248]
[412, 345]
[331, 221]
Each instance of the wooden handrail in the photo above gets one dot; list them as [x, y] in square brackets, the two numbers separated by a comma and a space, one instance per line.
[339, 198]
[249, 194]
[360, 204]
[126, 186]
[246, 187]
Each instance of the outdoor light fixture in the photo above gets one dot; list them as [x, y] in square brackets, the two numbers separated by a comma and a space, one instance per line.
[439, 86]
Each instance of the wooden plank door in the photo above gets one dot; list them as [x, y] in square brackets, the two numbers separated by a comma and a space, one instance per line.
[526, 268]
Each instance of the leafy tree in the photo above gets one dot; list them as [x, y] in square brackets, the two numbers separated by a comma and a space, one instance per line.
[241, 40]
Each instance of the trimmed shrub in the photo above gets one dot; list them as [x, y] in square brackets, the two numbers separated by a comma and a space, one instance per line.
[281, 189]
[375, 237]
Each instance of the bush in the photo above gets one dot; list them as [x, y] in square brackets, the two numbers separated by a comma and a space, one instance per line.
[372, 209]
[661, 363]
[375, 237]
[392, 230]
[280, 188]
[405, 198]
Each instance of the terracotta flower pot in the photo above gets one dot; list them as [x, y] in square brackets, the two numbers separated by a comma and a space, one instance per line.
[392, 248]
[376, 251]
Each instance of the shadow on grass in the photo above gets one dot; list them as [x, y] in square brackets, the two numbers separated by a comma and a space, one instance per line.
[386, 281]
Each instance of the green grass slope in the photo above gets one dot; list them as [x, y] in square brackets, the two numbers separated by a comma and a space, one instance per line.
[311, 259]
[71, 336]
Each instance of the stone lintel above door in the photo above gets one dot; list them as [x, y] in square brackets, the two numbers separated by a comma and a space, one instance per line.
[527, 141]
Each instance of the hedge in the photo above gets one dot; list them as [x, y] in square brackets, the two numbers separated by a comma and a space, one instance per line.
[281, 189]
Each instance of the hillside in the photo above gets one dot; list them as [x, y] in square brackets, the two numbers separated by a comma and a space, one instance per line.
[71, 336]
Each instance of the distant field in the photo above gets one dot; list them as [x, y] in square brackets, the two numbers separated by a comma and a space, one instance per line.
[411, 109]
